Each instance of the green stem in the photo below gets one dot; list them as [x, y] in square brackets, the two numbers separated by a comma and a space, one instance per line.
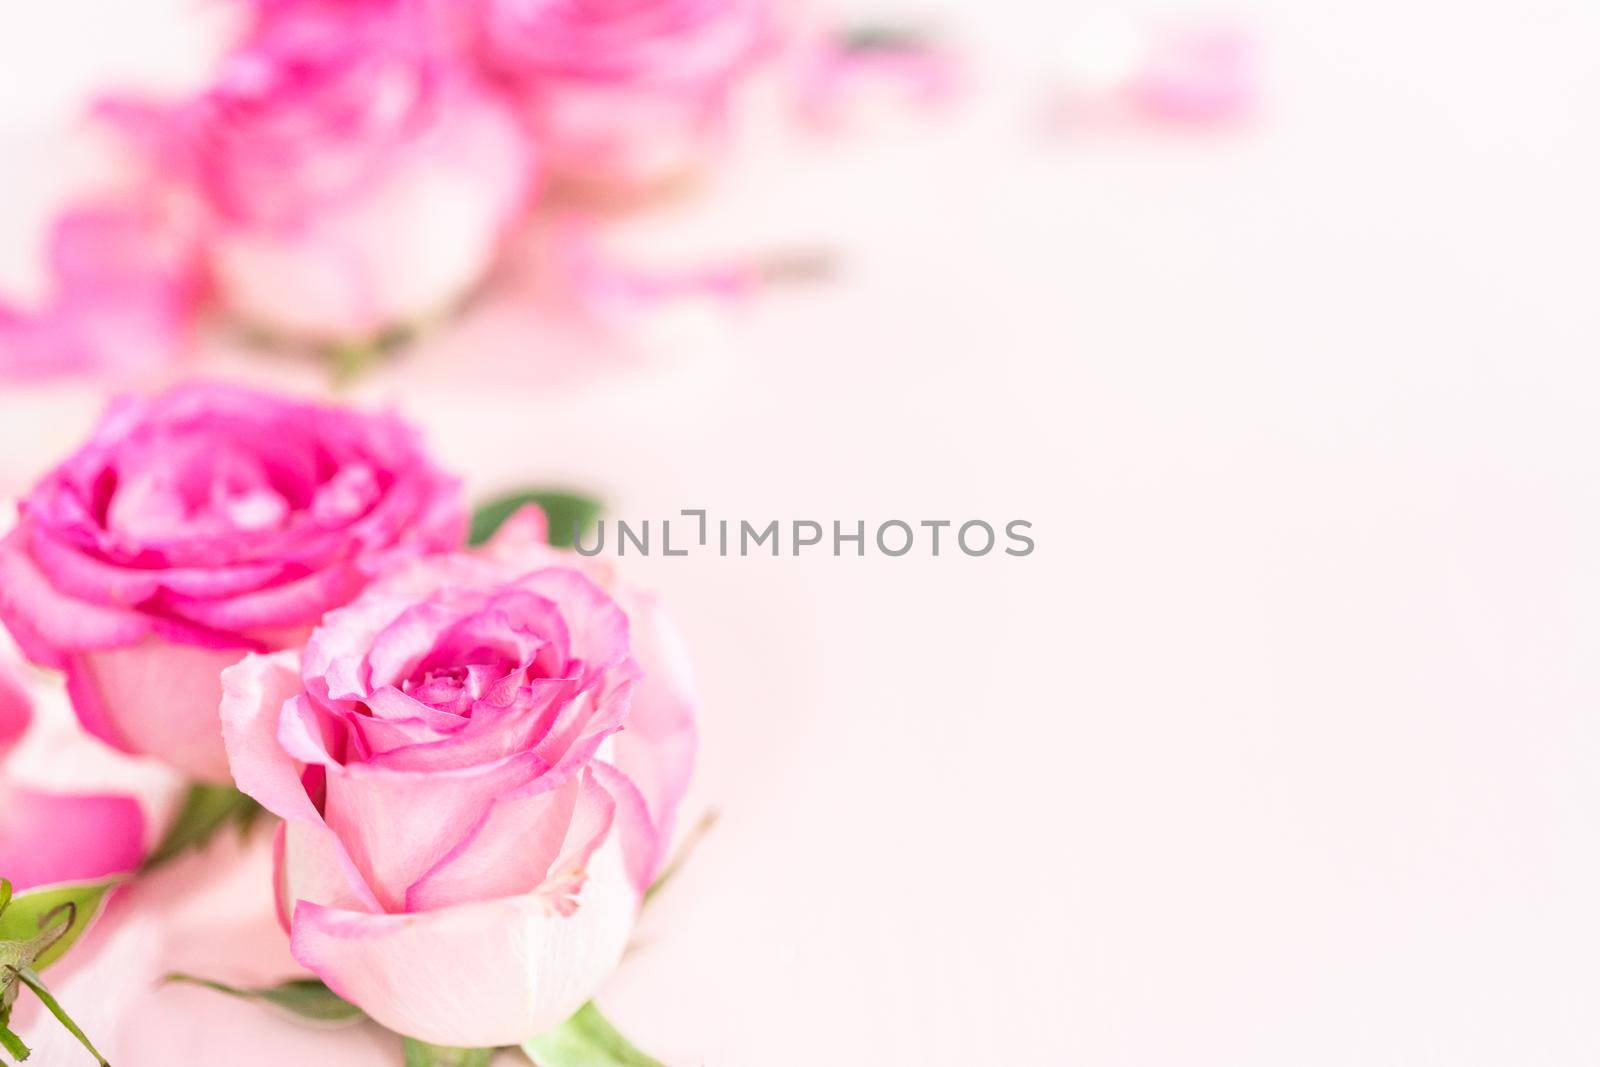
[685, 850]
[422, 1054]
[43, 993]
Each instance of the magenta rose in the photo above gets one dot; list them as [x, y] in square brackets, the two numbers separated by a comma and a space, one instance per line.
[200, 525]
[477, 762]
[352, 176]
[625, 93]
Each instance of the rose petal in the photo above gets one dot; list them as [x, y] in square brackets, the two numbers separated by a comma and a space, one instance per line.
[47, 623]
[289, 604]
[475, 975]
[254, 692]
[157, 697]
[439, 809]
[514, 847]
[657, 749]
[642, 845]
[48, 837]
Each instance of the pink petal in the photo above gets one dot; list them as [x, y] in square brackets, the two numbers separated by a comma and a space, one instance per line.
[47, 623]
[290, 604]
[441, 809]
[254, 692]
[657, 749]
[598, 628]
[157, 698]
[514, 847]
[313, 866]
[643, 847]
[47, 838]
[490, 973]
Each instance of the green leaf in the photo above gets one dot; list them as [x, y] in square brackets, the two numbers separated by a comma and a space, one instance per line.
[205, 810]
[422, 1054]
[586, 1040]
[55, 915]
[305, 998]
[568, 513]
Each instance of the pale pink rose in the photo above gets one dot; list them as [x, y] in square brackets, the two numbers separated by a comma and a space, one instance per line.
[353, 177]
[125, 282]
[199, 525]
[49, 836]
[477, 763]
[1117, 71]
[626, 93]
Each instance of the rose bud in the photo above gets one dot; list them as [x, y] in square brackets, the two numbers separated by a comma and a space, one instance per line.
[56, 835]
[195, 527]
[477, 762]
[626, 96]
[354, 178]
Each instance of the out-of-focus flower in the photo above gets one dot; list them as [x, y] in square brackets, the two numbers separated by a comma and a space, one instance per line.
[478, 762]
[846, 72]
[353, 178]
[1197, 74]
[1194, 74]
[197, 526]
[125, 283]
[626, 94]
[52, 836]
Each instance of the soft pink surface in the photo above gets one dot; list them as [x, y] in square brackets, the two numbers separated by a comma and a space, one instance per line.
[1279, 750]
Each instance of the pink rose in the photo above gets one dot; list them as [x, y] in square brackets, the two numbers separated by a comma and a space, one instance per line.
[197, 526]
[52, 836]
[477, 763]
[625, 92]
[353, 177]
[125, 283]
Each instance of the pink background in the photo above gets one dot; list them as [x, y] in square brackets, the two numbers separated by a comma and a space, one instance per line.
[1282, 746]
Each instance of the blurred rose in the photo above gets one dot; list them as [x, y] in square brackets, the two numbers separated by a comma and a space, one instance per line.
[125, 282]
[625, 93]
[353, 178]
[196, 526]
[57, 836]
[464, 852]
